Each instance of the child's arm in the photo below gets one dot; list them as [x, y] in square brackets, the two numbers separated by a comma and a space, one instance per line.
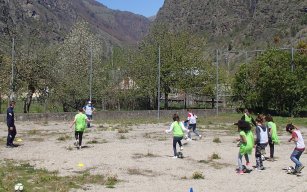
[293, 137]
[182, 127]
[243, 139]
[170, 129]
[73, 123]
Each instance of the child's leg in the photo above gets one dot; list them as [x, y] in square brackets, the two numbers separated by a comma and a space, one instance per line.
[195, 130]
[80, 138]
[76, 135]
[174, 146]
[295, 157]
[240, 162]
[246, 158]
[271, 149]
[189, 133]
[258, 156]
[179, 142]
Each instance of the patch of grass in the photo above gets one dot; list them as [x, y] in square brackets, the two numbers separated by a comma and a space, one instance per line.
[197, 175]
[122, 130]
[216, 140]
[94, 141]
[37, 139]
[204, 161]
[33, 132]
[111, 181]
[215, 156]
[147, 135]
[122, 137]
[140, 155]
[184, 177]
[136, 171]
[36, 180]
[63, 138]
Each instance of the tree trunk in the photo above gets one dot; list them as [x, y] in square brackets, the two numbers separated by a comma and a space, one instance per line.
[28, 100]
[166, 101]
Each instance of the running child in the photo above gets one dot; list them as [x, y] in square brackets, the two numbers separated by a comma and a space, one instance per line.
[178, 129]
[262, 138]
[273, 137]
[192, 124]
[297, 137]
[246, 143]
[80, 124]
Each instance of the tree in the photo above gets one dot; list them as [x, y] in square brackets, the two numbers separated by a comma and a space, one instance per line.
[182, 63]
[73, 63]
[270, 83]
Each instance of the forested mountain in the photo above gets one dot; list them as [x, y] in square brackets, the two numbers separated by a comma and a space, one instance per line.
[51, 20]
[239, 24]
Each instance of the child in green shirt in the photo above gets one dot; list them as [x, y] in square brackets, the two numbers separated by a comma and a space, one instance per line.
[80, 122]
[178, 129]
[246, 143]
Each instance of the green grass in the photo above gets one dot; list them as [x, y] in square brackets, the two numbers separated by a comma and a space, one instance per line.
[36, 180]
[63, 138]
[197, 175]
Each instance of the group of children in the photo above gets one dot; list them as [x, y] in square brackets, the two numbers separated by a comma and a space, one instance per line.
[266, 133]
[178, 128]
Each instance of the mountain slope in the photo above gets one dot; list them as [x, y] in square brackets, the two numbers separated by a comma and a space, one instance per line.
[52, 20]
[238, 24]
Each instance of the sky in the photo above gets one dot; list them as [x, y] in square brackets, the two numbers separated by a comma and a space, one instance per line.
[146, 8]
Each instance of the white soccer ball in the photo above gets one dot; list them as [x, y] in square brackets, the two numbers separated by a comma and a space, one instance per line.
[290, 169]
[19, 187]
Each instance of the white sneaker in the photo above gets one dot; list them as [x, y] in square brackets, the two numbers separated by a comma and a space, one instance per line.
[175, 157]
[181, 148]
[189, 139]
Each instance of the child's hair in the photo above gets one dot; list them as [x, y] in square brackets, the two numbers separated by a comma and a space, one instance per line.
[12, 103]
[290, 127]
[260, 118]
[176, 117]
[243, 125]
[269, 118]
[80, 109]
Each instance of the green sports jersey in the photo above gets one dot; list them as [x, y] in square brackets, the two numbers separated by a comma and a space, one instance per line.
[248, 119]
[274, 135]
[242, 145]
[177, 130]
[246, 148]
[80, 119]
[250, 142]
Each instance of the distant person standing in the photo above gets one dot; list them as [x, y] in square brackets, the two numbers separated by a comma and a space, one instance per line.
[273, 137]
[248, 118]
[192, 124]
[89, 109]
[11, 125]
[262, 139]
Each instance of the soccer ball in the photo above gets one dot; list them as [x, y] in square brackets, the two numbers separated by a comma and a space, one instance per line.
[290, 169]
[262, 157]
[180, 155]
[19, 187]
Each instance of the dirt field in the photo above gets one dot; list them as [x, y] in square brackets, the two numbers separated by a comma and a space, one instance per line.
[141, 158]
